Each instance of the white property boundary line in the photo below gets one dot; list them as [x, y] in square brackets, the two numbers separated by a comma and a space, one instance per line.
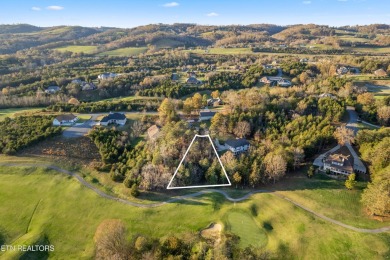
[199, 186]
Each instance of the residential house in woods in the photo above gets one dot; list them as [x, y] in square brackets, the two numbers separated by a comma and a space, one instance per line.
[87, 86]
[284, 83]
[206, 115]
[174, 77]
[153, 132]
[193, 80]
[327, 95]
[52, 89]
[107, 75]
[273, 81]
[342, 70]
[114, 118]
[237, 146]
[66, 120]
[212, 102]
[343, 160]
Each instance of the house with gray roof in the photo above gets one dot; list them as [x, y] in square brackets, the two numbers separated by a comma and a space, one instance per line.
[113, 118]
[206, 115]
[237, 146]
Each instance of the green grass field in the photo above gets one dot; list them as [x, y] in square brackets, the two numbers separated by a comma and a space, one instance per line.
[11, 112]
[131, 51]
[167, 43]
[88, 49]
[353, 39]
[372, 50]
[380, 91]
[243, 225]
[42, 206]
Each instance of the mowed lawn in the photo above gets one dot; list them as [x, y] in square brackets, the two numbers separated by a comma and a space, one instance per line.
[131, 51]
[42, 206]
[88, 49]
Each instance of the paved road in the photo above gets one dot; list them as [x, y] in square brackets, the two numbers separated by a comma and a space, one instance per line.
[280, 72]
[352, 122]
[192, 195]
[79, 130]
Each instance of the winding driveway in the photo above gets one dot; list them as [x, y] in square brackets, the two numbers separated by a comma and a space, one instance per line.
[192, 195]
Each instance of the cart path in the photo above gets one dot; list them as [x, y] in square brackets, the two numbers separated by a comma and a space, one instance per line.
[192, 195]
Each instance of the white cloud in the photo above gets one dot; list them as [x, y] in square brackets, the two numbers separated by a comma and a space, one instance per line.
[306, 2]
[212, 14]
[54, 7]
[171, 4]
[34, 8]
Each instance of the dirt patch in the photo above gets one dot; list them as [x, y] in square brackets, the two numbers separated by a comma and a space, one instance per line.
[74, 150]
[212, 232]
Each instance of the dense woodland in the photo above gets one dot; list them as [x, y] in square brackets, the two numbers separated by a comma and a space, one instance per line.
[21, 132]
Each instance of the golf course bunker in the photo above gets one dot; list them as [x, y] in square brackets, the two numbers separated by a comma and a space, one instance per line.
[244, 226]
[212, 232]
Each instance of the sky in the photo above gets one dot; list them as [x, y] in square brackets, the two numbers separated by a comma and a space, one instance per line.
[131, 13]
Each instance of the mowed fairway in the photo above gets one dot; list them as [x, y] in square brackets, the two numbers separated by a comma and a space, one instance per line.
[243, 225]
[131, 51]
[43, 206]
[88, 49]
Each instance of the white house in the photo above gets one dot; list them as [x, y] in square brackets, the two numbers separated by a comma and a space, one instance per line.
[108, 75]
[52, 89]
[113, 118]
[237, 146]
[284, 83]
[65, 120]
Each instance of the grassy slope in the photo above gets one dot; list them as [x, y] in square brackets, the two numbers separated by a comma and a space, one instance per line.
[10, 112]
[66, 208]
[125, 51]
[88, 49]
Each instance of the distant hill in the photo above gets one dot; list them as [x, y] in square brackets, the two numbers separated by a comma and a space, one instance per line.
[23, 36]
[18, 28]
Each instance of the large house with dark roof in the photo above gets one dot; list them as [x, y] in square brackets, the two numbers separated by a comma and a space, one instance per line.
[237, 146]
[66, 120]
[343, 161]
[114, 118]
[206, 115]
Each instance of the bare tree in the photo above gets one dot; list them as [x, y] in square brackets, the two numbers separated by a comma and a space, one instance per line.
[242, 129]
[275, 166]
[137, 128]
[344, 135]
[110, 240]
[384, 115]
